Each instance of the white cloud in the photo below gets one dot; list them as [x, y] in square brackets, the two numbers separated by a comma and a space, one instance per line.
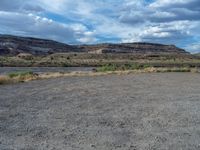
[35, 26]
[193, 47]
[87, 39]
[165, 3]
[90, 21]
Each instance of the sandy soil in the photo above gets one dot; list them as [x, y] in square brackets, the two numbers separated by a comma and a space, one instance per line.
[128, 112]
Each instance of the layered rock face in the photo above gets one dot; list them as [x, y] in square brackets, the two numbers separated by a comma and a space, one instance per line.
[137, 48]
[13, 45]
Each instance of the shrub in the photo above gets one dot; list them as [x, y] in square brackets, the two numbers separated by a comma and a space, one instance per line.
[4, 80]
[65, 64]
[20, 74]
[114, 67]
[25, 56]
[107, 67]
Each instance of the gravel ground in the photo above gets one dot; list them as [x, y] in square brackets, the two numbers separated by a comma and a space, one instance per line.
[129, 112]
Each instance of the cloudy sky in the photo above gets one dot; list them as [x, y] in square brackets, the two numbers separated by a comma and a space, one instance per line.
[96, 21]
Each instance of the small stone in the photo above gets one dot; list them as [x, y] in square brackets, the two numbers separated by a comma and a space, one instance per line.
[93, 146]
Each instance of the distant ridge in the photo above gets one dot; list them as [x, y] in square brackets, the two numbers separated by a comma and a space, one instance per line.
[137, 48]
[13, 45]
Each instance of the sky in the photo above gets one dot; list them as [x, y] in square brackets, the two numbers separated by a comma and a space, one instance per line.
[102, 21]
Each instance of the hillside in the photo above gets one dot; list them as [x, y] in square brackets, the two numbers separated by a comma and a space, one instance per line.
[13, 45]
[137, 48]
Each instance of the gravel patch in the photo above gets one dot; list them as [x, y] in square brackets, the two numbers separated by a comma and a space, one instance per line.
[127, 112]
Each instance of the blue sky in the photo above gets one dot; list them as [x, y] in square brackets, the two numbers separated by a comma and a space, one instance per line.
[100, 21]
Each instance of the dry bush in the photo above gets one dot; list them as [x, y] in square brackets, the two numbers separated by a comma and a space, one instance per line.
[4, 80]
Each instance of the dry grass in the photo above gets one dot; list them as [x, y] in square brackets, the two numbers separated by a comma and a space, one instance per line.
[29, 77]
[16, 79]
[4, 80]
[85, 59]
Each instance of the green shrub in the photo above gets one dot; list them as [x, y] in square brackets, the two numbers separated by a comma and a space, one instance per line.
[107, 67]
[20, 74]
[114, 67]
[65, 65]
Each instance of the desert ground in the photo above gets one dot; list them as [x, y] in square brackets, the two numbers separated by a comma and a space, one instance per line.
[155, 111]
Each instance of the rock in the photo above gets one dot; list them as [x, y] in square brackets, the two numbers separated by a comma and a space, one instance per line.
[136, 48]
[14, 45]
[25, 56]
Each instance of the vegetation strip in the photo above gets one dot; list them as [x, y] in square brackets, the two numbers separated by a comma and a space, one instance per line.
[105, 70]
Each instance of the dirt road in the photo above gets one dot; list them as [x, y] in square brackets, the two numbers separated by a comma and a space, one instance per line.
[130, 112]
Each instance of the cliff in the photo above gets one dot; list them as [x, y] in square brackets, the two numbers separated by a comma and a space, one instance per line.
[14, 45]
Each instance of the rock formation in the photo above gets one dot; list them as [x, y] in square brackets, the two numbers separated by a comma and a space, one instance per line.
[14, 45]
[137, 48]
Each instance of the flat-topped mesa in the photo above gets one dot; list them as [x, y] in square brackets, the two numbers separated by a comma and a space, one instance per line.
[137, 48]
[14, 45]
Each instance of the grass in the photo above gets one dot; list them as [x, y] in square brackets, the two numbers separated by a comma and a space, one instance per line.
[84, 59]
[4, 80]
[104, 70]
[20, 74]
[144, 68]
[115, 67]
[16, 77]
